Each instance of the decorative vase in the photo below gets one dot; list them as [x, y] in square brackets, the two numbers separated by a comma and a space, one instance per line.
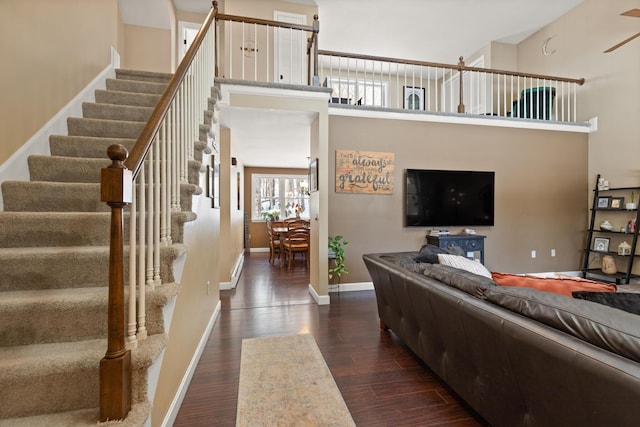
[609, 265]
[631, 206]
[606, 225]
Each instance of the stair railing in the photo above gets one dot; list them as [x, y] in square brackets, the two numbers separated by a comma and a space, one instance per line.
[149, 180]
[377, 81]
[251, 47]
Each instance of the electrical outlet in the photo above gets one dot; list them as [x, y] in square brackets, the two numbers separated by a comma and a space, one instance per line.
[596, 257]
[553, 252]
[533, 254]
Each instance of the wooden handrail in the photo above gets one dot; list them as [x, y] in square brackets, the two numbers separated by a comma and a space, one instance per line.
[451, 66]
[139, 151]
[271, 23]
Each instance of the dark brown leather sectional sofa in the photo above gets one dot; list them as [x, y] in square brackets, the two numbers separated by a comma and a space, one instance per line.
[518, 356]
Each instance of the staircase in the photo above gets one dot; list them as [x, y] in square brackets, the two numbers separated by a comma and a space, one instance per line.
[54, 237]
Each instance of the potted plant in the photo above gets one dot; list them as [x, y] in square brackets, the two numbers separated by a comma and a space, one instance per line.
[336, 249]
[631, 206]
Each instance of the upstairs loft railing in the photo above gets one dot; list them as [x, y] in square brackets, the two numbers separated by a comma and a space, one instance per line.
[446, 88]
[263, 50]
[148, 180]
[266, 51]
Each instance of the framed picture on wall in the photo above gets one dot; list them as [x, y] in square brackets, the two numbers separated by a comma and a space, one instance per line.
[413, 97]
[215, 182]
[313, 175]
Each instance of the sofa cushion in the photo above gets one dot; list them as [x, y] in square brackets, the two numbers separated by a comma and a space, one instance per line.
[626, 301]
[470, 283]
[613, 330]
[561, 285]
[405, 260]
[429, 253]
[463, 263]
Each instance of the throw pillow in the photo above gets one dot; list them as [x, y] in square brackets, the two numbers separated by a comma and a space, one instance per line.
[608, 328]
[560, 286]
[626, 301]
[463, 263]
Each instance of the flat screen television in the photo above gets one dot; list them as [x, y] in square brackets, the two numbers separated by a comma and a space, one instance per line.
[444, 198]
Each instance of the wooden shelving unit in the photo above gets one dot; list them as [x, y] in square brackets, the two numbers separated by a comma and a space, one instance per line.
[624, 263]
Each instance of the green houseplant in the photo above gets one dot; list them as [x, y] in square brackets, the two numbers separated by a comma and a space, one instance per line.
[336, 244]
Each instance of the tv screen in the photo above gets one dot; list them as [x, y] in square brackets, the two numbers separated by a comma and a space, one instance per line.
[436, 198]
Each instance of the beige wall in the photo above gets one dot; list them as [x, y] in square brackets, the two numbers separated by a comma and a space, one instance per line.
[50, 51]
[541, 185]
[198, 297]
[231, 216]
[147, 49]
[612, 84]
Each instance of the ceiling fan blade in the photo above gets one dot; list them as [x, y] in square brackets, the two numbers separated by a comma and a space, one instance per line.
[635, 13]
[622, 43]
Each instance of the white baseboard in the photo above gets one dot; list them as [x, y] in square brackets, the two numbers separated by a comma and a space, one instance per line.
[16, 167]
[351, 287]
[235, 275]
[172, 413]
[319, 299]
[259, 250]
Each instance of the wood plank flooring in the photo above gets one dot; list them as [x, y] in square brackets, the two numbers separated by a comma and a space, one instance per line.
[381, 381]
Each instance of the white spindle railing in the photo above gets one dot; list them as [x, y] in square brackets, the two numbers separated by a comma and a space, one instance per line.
[158, 184]
[395, 83]
[250, 42]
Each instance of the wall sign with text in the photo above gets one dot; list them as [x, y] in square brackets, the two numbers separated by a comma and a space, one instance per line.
[364, 172]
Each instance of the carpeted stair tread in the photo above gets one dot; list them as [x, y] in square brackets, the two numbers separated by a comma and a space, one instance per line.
[41, 196]
[53, 315]
[42, 378]
[104, 128]
[145, 76]
[66, 169]
[84, 267]
[56, 377]
[59, 315]
[85, 146]
[139, 413]
[131, 113]
[136, 86]
[29, 229]
[126, 98]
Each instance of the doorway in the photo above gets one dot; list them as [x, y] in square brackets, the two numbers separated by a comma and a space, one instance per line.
[187, 32]
[290, 49]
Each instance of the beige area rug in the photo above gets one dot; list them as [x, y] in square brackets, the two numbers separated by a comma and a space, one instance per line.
[284, 381]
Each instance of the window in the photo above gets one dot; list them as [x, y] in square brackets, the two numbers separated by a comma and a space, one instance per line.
[279, 195]
[360, 92]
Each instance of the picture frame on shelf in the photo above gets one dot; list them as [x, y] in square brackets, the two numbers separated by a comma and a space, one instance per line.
[603, 202]
[313, 175]
[601, 244]
[413, 97]
[617, 203]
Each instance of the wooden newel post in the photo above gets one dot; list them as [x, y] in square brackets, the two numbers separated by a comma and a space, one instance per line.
[116, 184]
[460, 68]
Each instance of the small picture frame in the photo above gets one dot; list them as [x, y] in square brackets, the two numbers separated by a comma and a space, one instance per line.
[616, 203]
[313, 175]
[601, 244]
[413, 98]
[603, 202]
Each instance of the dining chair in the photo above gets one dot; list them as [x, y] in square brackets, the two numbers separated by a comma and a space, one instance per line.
[275, 237]
[296, 241]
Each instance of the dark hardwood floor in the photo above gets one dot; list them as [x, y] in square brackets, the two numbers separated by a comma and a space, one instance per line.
[381, 381]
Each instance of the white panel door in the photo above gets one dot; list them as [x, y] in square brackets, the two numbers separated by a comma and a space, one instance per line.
[187, 31]
[290, 50]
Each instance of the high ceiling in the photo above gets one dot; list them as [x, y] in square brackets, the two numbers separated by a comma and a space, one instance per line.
[428, 30]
